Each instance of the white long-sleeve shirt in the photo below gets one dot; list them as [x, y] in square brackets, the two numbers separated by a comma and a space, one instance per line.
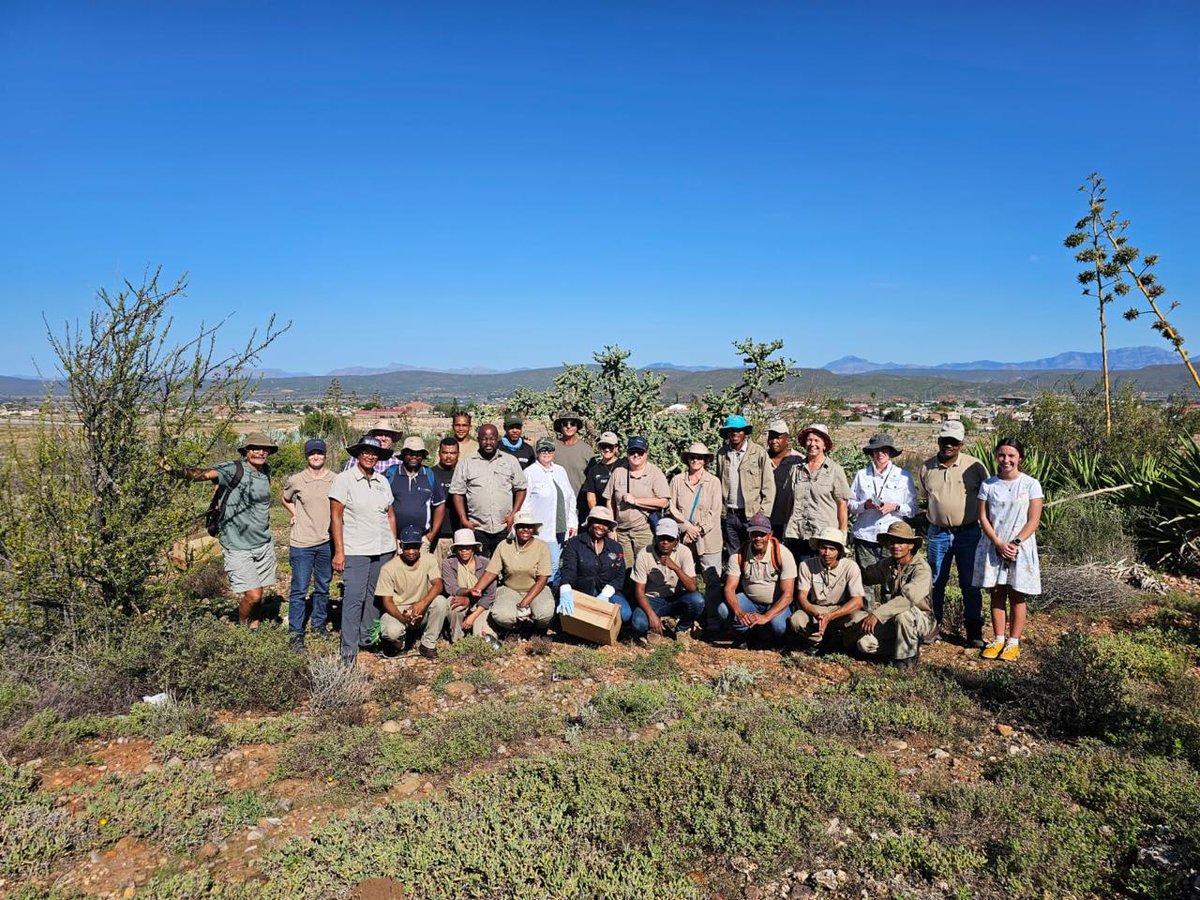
[542, 498]
[892, 485]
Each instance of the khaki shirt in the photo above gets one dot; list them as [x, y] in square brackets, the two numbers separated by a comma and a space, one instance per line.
[901, 588]
[366, 530]
[951, 490]
[310, 496]
[756, 478]
[467, 446]
[816, 496]
[519, 567]
[759, 579]
[707, 512]
[488, 486]
[661, 582]
[829, 587]
[407, 584]
[650, 482]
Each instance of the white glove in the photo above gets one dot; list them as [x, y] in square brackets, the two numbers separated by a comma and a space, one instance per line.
[608, 591]
[566, 600]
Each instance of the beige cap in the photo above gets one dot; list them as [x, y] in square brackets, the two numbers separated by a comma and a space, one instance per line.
[610, 437]
[953, 429]
[412, 442]
[829, 535]
[602, 514]
[777, 426]
[525, 517]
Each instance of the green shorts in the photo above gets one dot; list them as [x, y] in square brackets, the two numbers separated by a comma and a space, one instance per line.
[250, 569]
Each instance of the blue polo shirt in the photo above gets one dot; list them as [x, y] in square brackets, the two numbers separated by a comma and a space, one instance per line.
[413, 498]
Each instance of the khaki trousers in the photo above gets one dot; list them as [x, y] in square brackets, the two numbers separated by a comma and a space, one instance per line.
[897, 638]
[429, 626]
[506, 613]
[804, 626]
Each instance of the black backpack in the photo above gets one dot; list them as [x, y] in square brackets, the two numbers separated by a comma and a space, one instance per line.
[220, 499]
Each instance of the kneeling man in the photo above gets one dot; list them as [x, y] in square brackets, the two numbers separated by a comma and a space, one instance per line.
[829, 590]
[893, 629]
[664, 584]
[409, 590]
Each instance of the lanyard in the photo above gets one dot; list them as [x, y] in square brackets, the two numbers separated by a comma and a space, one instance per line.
[883, 487]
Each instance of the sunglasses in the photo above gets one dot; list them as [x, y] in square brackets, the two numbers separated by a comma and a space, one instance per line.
[636, 453]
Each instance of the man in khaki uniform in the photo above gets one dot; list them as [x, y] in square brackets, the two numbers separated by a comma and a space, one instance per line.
[829, 590]
[759, 585]
[783, 459]
[948, 483]
[487, 490]
[895, 627]
[409, 590]
[747, 481]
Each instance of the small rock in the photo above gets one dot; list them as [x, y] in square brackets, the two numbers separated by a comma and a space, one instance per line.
[233, 755]
[427, 787]
[460, 689]
[661, 726]
[285, 804]
[1017, 750]
[255, 834]
[742, 864]
[906, 772]
[826, 878]
[208, 851]
[101, 768]
[391, 726]
[1004, 730]
[938, 753]
[501, 750]
[406, 786]
[94, 857]
[174, 762]
[406, 724]
[897, 745]
[130, 891]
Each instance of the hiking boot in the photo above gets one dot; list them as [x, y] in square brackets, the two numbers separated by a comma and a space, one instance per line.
[933, 635]
[975, 637]
[428, 652]
[1011, 652]
[992, 650]
[908, 664]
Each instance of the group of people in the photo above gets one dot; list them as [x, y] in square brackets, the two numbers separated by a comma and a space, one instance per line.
[775, 544]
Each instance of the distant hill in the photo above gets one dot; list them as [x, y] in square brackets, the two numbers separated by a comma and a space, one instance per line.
[1122, 358]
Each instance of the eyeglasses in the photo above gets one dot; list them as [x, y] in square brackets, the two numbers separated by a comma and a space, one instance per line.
[525, 527]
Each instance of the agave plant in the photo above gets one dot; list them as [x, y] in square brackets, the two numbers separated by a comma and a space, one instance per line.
[1169, 531]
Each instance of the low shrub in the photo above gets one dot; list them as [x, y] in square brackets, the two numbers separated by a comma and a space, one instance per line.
[395, 689]
[275, 730]
[577, 662]
[190, 747]
[658, 663]
[473, 650]
[1078, 689]
[347, 755]
[639, 703]
[336, 687]
[1086, 530]
[734, 679]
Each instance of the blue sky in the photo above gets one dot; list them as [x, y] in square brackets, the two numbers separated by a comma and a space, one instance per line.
[508, 184]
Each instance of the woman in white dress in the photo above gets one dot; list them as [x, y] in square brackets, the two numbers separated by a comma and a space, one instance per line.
[1006, 563]
[551, 499]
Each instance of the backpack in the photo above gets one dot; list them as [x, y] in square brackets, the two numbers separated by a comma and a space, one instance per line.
[220, 499]
[776, 559]
[390, 475]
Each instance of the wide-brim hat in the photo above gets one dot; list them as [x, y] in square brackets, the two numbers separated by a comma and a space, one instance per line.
[697, 449]
[735, 423]
[372, 445]
[257, 439]
[602, 514]
[525, 517]
[385, 427]
[901, 531]
[881, 442]
[567, 416]
[829, 535]
[465, 537]
[415, 444]
[817, 429]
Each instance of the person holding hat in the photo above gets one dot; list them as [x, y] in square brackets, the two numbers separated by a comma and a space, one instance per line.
[747, 480]
[513, 444]
[305, 495]
[829, 590]
[387, 437]
[820, 492]
[760, 582]
[461, 571]
[881, 493]
[409, 591]
[594, 564]
[664, 584]
[416, 492]
[948, 484]
[488, 490]
[783, 459]
[600, 470]
[460, 424]
[695, 503]
[572, 452]
[247, 548]
[637, 491]
[522, 566]
[444, 473]
[362, 523]
[895, 626]
[550, 498]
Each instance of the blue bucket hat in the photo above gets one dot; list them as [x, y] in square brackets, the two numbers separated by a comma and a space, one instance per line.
[736, 423]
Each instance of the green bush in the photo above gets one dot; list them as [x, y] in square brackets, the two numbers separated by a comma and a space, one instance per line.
[1079, 687]
[578, 662]
[471, 649]
[658, 663]
[275, 730]
[639, 703]
[335, 754]
[1088, 530]
[16, 701]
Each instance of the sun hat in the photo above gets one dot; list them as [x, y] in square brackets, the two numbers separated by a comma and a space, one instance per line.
[371, 445]
[314, 445]
[829, 535]
[257, 439]
[609, 437]
[415, 444]
[818, 429]
[901, 531]
[953, 429]
[567, 416]
[383, 426]
[697, 449]
[758, 524]
[544, 444]
[881, 441]
[410, 534]
[735, 423]
[513, 420]
[666, 528]
[602, 514]
[525, 517]
[637, 442]
[465, 537]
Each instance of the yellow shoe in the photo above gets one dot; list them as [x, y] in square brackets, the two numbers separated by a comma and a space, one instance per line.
[992, 650]
[1010, 653]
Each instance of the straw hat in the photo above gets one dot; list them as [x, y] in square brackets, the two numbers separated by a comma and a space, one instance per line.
[383, 426]
[257, 439]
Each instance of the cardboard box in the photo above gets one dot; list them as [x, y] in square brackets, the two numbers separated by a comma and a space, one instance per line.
[594, 620]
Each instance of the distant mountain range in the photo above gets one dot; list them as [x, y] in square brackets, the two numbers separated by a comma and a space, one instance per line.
[1121, 358]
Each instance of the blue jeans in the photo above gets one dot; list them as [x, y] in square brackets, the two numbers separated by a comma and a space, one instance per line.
[778, 625]
[961, 545]
[307, 563]
[686, 607]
